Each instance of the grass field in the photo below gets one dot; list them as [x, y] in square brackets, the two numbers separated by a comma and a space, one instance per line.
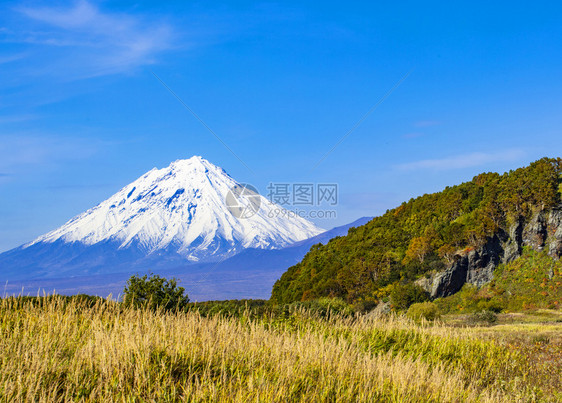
[55, 350]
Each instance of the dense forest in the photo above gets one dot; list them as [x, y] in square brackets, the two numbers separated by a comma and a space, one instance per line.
[421, 236]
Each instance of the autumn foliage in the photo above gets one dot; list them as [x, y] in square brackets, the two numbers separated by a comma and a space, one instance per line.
[421, 236]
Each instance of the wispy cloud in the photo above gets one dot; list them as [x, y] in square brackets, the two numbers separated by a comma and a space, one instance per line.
[84, 39]
[12, 58]
[419, 126]
[17, 118]
[463, 160]
[27, 152]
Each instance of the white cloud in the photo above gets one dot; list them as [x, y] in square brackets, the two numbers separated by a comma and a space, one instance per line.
[88, 42]
[24, 153]
[11, 58]
[17, 118]
[463, 160]
[82, 15]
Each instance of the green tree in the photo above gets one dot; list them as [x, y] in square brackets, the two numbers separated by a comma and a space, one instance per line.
[154, 291]
[404, 295]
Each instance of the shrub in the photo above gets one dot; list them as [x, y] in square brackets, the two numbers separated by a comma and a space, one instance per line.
[425, 310]
[365, 305]
[154, 292]
[335, 305]
[486, 317]
[492, 305]
[404, 295]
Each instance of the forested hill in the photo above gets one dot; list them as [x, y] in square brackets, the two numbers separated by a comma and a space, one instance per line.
[423, 236]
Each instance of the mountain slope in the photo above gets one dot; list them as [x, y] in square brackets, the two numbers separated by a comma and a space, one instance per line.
[440, 240]
[184, 213]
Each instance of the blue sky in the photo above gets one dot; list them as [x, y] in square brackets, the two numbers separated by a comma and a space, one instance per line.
[82, 115]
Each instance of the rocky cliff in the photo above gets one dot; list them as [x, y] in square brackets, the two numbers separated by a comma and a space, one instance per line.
[476, 265]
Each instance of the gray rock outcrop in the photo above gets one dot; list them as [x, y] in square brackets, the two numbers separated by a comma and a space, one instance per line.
[476, 266]
[555, 236]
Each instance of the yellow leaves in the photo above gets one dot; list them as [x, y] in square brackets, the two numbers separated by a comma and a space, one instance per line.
[384, 291]
[398, 210]
[418, 249]
[446, 252]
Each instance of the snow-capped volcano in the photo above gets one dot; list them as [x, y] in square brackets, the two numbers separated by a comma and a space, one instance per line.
[186, 208]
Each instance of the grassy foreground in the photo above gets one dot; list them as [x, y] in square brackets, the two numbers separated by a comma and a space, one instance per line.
[55, 350]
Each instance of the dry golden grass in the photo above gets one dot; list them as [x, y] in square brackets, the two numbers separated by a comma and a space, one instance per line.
[58, 351]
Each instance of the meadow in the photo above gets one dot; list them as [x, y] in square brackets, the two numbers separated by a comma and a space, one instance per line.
[56, 349]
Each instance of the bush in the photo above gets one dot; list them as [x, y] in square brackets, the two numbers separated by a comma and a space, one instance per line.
[404, 295]
[365, 306]
[154, 292]
[486, 317]
[335, 305]
[492, 305]
[425, 310]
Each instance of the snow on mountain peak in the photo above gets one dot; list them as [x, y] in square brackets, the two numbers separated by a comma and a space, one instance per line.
[182, 208]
